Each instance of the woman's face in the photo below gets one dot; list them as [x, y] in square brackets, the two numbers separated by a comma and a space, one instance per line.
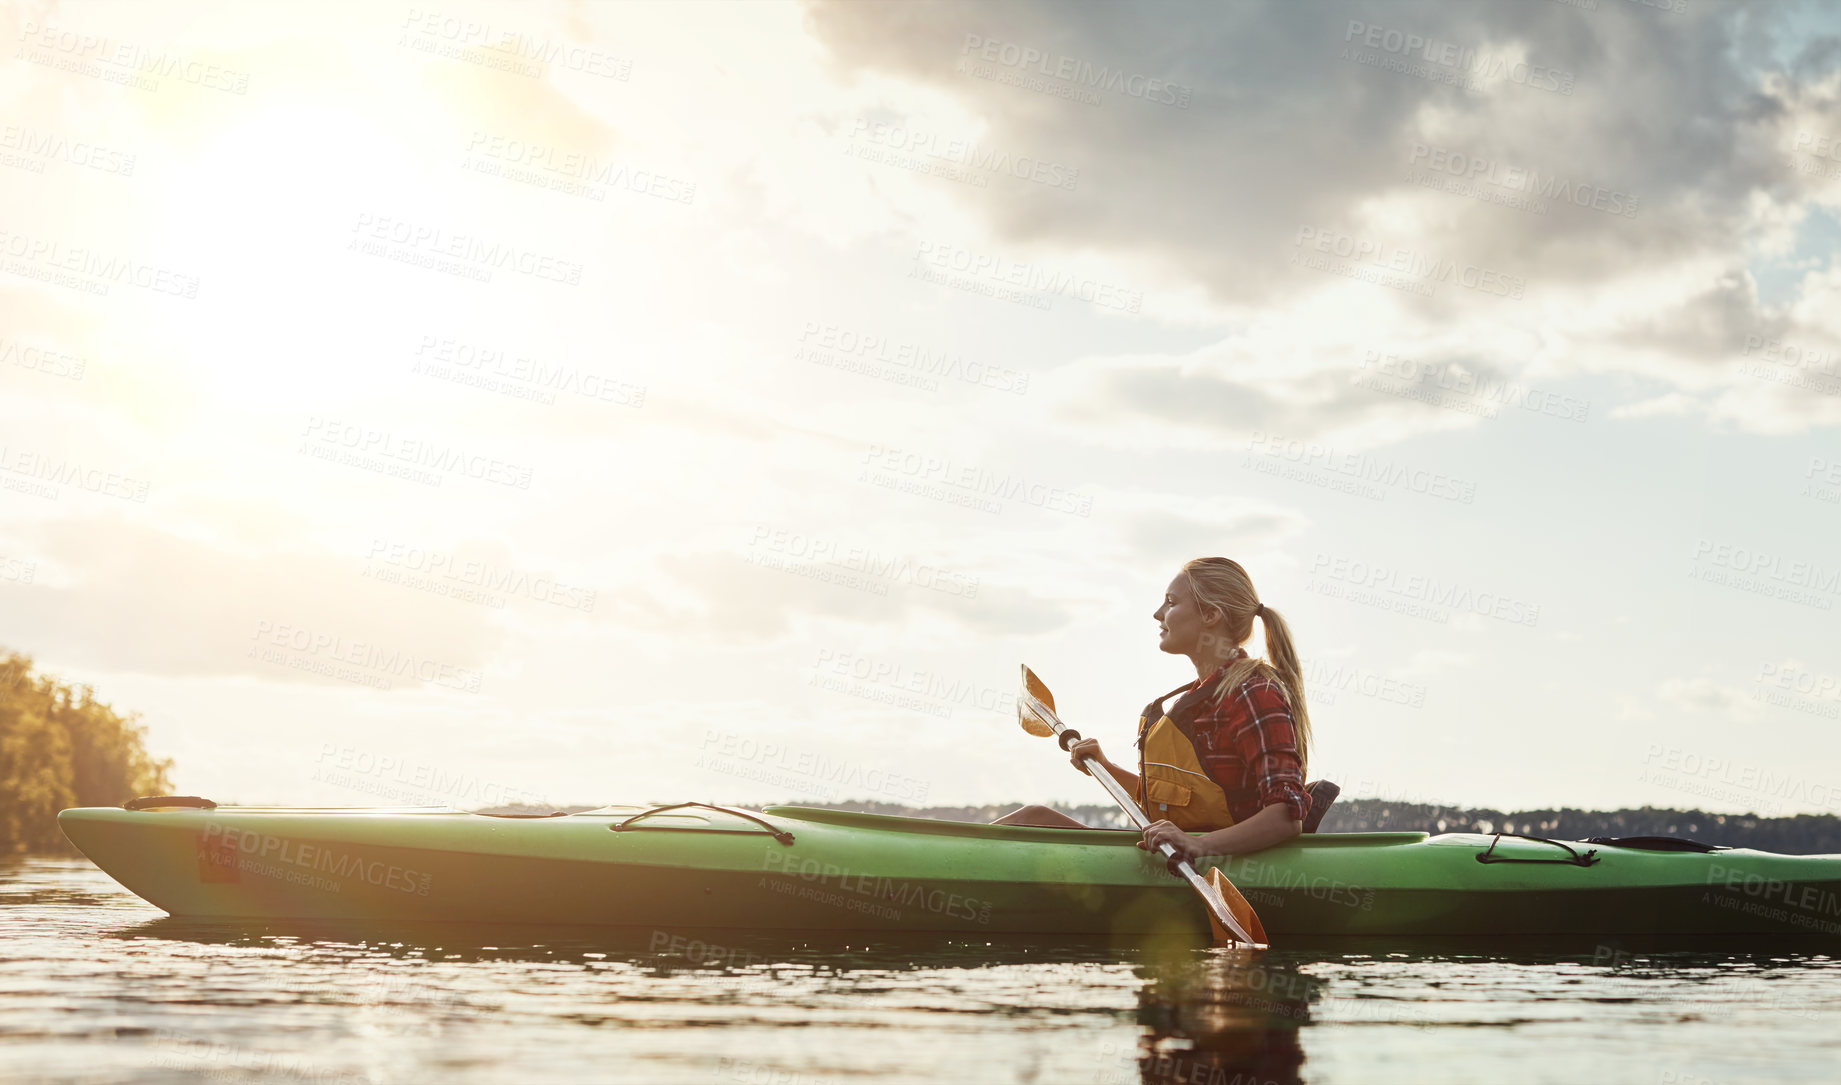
[1180, 619]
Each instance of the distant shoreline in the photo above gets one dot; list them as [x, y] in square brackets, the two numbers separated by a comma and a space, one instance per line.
[1796, 834]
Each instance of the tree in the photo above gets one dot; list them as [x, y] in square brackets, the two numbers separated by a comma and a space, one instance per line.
[60, 747]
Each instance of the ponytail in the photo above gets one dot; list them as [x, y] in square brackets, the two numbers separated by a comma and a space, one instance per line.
[1220, 583]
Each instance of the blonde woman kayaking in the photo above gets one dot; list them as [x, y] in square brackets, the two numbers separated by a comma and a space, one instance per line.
[1223, 766]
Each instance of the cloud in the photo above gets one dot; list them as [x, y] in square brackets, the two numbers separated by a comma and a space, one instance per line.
[763, 595]
[1709, 325]
[1359, 395]
[115, 594]
[1288, 127]
[1706, 695]
[1165, 530]
[1629, 240]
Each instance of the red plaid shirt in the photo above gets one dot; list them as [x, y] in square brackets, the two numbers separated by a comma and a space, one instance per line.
[1247, 740]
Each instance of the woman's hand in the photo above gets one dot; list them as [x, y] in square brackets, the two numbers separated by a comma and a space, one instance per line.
[1188, 848]
[1086, 747]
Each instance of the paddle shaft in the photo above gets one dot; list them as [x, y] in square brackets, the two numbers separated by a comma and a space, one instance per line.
[1130, 806]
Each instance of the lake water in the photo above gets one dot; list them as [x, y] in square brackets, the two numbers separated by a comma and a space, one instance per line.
[98, 986]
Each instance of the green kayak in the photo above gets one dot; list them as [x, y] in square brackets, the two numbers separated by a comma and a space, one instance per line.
[796, 868]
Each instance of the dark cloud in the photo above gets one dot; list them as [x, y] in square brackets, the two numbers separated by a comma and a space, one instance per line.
[1284, 131]
[1711, 326]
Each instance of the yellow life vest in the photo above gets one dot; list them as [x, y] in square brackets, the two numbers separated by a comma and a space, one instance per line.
[1172, 784]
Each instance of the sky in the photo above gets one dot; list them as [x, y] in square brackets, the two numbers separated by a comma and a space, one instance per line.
[618, 403]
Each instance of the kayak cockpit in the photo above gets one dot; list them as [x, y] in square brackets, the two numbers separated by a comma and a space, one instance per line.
[899, 824]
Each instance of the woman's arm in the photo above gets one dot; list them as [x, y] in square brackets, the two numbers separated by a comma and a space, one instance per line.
[1089, 747]
[1272, 825]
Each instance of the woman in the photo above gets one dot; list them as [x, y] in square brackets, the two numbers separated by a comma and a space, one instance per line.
[1222, 767]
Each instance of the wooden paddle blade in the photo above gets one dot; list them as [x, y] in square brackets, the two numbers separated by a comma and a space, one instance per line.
[1037, 688]
[1242, 912]
[1028, 717]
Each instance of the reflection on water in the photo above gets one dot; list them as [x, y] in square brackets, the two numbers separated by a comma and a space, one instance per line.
[97, 986]
[1233, 1015]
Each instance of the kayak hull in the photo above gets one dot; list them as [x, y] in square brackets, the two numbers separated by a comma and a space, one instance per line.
[863, 872]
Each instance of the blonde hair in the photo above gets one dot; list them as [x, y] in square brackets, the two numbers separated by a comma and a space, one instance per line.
[1221, 584]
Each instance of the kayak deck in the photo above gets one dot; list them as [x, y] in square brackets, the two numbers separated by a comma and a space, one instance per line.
[790, 867]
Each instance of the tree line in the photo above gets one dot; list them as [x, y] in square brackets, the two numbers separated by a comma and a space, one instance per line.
[1802, 834]
[60, 747]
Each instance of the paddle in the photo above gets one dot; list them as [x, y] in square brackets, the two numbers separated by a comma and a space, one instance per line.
[1232, 918]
